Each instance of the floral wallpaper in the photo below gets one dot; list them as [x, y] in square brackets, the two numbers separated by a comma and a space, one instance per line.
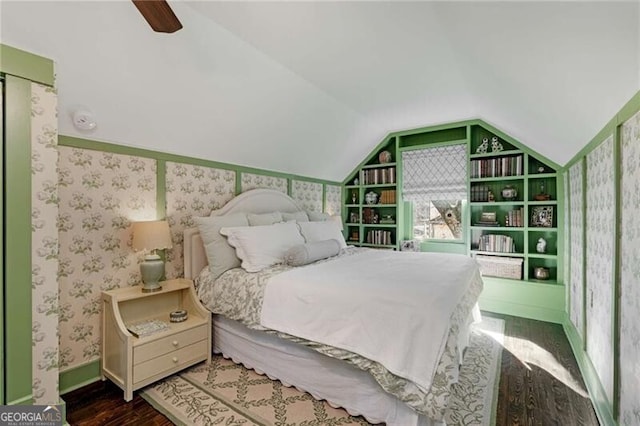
[44, 242]
[576, 289]
[252, 181]
[332, 199]
[192, 191]
[101, 193]
[630, 273]
[307, 194]
[600, 226]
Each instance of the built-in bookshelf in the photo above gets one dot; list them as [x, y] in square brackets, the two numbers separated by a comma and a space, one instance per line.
[371, 209]
[519, 192]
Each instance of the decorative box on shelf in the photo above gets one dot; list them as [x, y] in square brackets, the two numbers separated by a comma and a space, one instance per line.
[501, 267]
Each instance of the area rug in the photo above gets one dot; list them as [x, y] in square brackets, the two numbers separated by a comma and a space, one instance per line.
[224, 393]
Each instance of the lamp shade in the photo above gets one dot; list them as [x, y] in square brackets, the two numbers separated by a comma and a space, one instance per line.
[152, 235]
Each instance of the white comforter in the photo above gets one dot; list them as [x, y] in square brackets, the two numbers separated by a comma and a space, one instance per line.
[391, 307]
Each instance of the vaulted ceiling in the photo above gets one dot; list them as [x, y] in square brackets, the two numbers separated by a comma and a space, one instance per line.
[311, 87]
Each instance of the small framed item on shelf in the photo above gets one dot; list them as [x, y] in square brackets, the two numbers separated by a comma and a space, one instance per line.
[542, 216]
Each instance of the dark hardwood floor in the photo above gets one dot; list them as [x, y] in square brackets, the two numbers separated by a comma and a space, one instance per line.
[540, 384]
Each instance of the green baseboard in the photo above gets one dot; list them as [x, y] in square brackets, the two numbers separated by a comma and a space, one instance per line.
[542, 302]
[77, 377]
[603, 407]
[25, 400]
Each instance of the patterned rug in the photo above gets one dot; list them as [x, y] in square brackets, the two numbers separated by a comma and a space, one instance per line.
[224, 393]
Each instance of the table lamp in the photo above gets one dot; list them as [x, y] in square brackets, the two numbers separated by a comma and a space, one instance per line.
[150, 237]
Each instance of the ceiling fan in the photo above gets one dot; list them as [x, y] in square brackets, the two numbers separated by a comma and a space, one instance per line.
[159, 15]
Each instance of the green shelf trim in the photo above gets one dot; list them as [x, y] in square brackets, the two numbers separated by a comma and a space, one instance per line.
[378, 185]
[542, 256]
[547, 282]
[377, 205]
[352, 224]
[542, 175]
[496, 154]
[352, 186]
[352, 205]
[497, 178]
[379, 225]
[542, 229]
[496, 203]
[497, 253]
[543, 203]
[378, 245]
[378, 166]
[498, 228]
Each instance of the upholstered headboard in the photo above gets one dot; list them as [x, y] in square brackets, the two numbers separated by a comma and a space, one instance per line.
[253, 201]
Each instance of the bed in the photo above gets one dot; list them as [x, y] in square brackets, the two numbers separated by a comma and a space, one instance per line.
[374, 380]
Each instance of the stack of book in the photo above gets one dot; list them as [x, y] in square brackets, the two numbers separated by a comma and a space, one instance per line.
[388, 196]
[379, 236]
[515, 218]
[497, 167]
[497, 243]
[378, 176]
[479, 193]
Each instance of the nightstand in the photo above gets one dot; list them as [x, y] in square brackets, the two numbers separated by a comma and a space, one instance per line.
[133, 362]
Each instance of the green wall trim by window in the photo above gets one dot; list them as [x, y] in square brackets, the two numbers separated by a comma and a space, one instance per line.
[26, 65]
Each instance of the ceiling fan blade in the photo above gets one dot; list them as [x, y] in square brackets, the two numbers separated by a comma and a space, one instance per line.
[159, 15]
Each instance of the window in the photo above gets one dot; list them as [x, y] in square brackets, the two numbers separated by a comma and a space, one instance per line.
[439, 219]
[434, 181]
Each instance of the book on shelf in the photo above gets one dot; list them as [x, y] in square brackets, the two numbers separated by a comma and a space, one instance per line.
[388, 196]
[378, 176]
[514, 218]
[497, 167]
[496, 243]
[483, 223]
[147, 327]
[379, 236]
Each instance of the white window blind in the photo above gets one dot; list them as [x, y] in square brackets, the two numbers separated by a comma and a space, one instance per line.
[438, 173]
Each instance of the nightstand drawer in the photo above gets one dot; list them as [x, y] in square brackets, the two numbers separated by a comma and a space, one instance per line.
[172, 360]
[167, 344]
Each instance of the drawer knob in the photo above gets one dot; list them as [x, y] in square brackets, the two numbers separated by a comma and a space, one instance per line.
[174, 359]
[174, 343]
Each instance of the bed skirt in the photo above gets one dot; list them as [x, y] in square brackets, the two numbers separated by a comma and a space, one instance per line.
[325, 378]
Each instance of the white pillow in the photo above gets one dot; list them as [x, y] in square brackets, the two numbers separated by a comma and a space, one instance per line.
[318, 216]
[297, 216]
[264, 218]
[304, 254]
[220, 255]
[262, 246]
[320, 231]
